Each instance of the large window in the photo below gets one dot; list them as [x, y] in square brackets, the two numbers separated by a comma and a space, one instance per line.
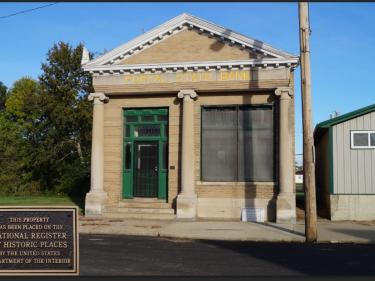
[363, 139]
[237, 143]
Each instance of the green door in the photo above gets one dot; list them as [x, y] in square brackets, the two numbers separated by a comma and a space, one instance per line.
[145, 159]
[146, 169]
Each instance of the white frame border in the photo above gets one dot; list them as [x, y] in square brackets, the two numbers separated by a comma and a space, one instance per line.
[368, 132]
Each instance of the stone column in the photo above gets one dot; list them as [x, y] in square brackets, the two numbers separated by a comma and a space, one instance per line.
[96, 197]
[187, 199]
[286, 200]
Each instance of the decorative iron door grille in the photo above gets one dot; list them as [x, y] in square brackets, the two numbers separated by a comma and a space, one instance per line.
[146, 170]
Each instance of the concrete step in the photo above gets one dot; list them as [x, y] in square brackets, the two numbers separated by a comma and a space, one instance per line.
[139, 210]
[144, 216]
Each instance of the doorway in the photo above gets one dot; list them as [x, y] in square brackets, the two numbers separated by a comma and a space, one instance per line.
[145, 149]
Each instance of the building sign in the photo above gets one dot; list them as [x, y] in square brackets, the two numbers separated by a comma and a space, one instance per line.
[181, 77]
[38, 240]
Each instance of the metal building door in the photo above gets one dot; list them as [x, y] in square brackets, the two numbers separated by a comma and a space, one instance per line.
[146, 168]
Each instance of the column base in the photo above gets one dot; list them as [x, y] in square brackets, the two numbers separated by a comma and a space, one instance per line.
[94, 203]
[186, 206]
[286, 208]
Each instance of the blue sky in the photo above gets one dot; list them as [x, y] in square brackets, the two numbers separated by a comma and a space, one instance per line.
[342, 40]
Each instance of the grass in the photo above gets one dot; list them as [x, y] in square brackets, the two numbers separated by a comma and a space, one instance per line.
[41, 200]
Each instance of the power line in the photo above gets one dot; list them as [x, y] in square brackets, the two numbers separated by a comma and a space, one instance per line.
[28, 10]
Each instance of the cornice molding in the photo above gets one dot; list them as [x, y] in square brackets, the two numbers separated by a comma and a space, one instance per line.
[192, 66]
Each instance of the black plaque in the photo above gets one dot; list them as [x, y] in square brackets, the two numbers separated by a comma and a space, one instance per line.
[38, 240]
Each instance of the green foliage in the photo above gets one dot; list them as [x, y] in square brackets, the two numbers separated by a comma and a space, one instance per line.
[3, 96]
[66, 148]
[18, 130]
[45, 128]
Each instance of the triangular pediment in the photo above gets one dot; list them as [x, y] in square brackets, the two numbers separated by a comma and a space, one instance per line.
[188, 39]
[190, 46]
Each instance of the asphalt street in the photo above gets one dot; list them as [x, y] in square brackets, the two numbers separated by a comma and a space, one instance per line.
[108, 255]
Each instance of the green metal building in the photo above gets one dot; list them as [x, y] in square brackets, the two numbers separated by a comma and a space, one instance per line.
[345, 165]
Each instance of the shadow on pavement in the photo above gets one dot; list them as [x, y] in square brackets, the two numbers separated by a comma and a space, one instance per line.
[359, 233]
[284, 229]
[136, 255]
[308, 259]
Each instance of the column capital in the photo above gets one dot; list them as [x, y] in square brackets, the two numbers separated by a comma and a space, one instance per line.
[284, 92]
[188, 93]
[98, 97]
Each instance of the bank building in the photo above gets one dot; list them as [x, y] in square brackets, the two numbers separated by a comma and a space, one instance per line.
[192, 120]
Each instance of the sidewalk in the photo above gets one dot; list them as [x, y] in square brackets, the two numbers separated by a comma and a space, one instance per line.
[334, 232]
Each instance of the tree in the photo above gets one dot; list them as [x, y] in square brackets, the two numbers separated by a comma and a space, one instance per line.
[64, 157]
[3, 95]
[45, 128]
[298, 166]
[19, 130]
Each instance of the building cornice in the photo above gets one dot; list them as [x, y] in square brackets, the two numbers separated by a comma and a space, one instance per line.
[192, 66]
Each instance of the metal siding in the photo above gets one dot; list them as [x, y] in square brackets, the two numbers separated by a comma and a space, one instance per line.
[367, 157]
[372, 172]
[340, 163]
[347, 159]
[340, 183]
[354, 159]
[337, 149]
[361, 161]
[354, 169]
[336, 167]
[321, 157]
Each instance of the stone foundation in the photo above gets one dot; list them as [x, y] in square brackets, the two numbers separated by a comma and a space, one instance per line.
[286, 208]
[231, 208]
[186, 206]
[94, 203]
[352, 207]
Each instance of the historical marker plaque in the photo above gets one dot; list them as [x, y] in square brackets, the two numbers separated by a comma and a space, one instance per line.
[38, 240]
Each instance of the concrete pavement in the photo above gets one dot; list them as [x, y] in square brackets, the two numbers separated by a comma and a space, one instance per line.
[333, 232]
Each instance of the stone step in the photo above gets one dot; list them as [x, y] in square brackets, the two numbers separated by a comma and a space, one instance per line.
[139, 210]
[146, 205]
[144, 199]
[144, 216]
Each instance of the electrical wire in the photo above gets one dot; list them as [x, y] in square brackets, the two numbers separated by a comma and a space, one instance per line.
[28, 10]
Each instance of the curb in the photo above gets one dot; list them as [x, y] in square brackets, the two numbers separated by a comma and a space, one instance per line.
[187, 236]
[202, 237]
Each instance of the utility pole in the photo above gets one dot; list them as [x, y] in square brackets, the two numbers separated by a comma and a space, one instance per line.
[308, 141]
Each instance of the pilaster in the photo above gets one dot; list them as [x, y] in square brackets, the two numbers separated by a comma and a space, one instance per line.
[96, 197]
[187, 199]
[286, 200]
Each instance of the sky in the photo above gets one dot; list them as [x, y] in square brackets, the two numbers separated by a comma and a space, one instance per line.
[341, 43]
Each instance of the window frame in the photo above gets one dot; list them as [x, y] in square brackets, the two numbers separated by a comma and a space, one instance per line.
[237, 106]
[368, 132]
